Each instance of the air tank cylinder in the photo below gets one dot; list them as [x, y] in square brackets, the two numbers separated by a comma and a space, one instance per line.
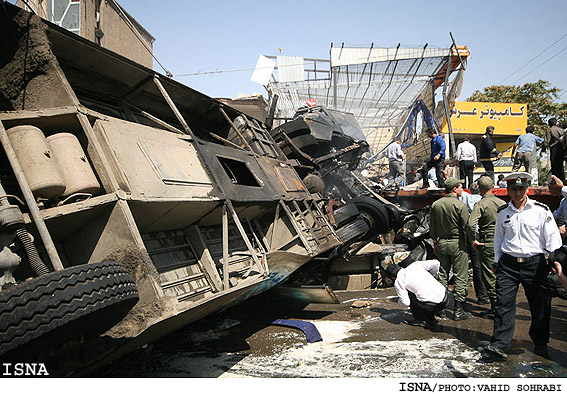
[37, 162]
[73, 164]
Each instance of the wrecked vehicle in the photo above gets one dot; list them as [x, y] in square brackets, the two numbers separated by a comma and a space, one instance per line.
[133, 205]
[329, 146]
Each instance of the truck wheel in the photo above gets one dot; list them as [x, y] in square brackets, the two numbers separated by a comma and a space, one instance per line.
[305, 142]
[394, 216]
[353, 231]
[294, 128]
[375, 215]
[45, 312]
[346, 214]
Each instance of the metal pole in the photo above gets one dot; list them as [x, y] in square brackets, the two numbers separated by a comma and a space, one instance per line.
[234, 215]
[30, 200]
[446, 105]
[270, 119]
[173, 106]
[458, 54]
[229, 121]
[225, 247]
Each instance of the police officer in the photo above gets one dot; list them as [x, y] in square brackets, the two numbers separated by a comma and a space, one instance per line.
[525, 232]
[480, 229]
[447, 228]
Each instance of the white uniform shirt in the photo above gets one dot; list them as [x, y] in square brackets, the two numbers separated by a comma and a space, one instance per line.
[419, 278]
[465, 151]
[525, 233]
[394, 152]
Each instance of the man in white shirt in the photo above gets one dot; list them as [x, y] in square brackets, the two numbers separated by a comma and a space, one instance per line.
[395, 157]
[418, 288]
[466, 156]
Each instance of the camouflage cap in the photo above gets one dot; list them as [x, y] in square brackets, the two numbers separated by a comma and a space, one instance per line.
[518, 179]
[485, 183]
[452, 182]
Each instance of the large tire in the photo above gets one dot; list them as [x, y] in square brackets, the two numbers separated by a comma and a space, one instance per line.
[345, 214]
[305, 142]
[353, 231]
[293, 128]
[47, 311]
[394, 216]
[374, 213]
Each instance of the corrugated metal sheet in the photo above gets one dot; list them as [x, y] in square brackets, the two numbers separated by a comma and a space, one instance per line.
[290, 69]
[377, 85]
[348, 56]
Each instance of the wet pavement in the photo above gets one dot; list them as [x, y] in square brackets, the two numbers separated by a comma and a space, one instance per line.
[364, 336]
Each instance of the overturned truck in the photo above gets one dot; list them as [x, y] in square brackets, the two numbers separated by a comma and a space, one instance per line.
[328, 146]
[132, 205]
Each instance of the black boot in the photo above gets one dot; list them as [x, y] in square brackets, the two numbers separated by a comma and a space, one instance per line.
[489, 314]
[460, 313]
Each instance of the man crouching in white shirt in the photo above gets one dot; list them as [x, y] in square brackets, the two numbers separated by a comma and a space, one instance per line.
[418, 288]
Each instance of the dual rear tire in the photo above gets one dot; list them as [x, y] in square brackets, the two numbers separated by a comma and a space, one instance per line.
[379, 218]
[43, 313]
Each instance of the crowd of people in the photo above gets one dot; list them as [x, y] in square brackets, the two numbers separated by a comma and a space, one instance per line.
[467, 159]
[515, 242]
[507, 244]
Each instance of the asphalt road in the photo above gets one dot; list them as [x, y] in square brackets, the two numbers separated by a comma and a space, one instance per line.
[364, 336]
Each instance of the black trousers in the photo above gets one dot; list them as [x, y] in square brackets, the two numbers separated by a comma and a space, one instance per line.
[478, 282]
[466, 168]
[508, 278]
[488, 168]
[557, 157]
[425, 311]
[439, 167]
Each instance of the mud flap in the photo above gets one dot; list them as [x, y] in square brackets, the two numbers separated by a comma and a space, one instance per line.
[309, 329]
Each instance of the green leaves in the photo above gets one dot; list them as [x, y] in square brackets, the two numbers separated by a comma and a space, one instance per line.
[540, 96]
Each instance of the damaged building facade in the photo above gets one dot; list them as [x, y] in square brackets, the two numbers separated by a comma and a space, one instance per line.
[103, 22]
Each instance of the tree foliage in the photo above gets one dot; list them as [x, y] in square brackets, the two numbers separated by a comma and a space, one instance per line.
[540, 96]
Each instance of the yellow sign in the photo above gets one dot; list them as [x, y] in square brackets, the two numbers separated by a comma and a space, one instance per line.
[473, 118]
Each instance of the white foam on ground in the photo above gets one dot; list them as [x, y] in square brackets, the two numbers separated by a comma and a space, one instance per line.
[423, 358]
[333, 357]
[335, 331]
[362, 299]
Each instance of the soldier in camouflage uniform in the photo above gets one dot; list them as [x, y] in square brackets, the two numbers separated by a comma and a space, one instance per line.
[449, 217]
[480, 231]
